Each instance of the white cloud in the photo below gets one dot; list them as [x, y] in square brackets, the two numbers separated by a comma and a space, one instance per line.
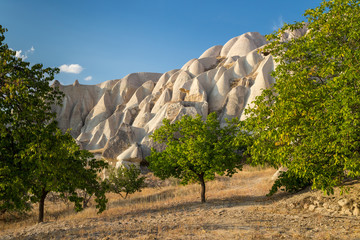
[278, 24]
[24, 56]
[72, 68]
[88, 78]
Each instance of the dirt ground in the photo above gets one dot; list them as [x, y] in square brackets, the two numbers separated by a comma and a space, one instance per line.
[305, 215]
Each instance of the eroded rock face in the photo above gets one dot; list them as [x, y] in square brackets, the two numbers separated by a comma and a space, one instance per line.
[118, 116]
[132, 155]
[122, 140]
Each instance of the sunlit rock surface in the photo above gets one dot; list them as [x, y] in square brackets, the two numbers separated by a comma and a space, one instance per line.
[116, 117]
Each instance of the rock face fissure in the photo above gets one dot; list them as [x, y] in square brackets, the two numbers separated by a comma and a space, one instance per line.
[116, 117]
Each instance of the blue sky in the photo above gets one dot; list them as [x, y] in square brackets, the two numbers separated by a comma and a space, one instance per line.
[95, 41]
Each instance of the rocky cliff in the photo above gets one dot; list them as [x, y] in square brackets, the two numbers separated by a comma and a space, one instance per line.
[115, 118]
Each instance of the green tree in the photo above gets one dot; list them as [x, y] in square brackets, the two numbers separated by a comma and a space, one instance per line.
[309, 119]
[25, 103]
[35, 157]
[58, 165]
[126, 180]
[196, 150]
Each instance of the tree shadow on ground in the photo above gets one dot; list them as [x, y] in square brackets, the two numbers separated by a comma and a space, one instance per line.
[212, 203]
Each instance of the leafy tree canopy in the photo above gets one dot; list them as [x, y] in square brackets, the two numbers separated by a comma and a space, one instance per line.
[309, 120]
[35, 157]
[196, 150]
[58, 165]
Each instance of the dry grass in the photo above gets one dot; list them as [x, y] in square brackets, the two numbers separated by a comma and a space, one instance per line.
[162, 193]
[97, 151]
[236, 208]
[184, 90]
[235, 82]
[220, 61]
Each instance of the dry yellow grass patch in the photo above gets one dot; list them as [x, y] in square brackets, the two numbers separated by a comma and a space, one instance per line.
[243, 184]
[220, 61]
[184, 90]
[236, 208]
[220, 58]
[97, 151]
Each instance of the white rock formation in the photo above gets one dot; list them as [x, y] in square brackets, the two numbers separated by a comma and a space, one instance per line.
[132, 155]
[196, 93]
[242, 45]
[219, 92]
[263, 80]
[181, 79]
[196, 67]
[116, 117]
[164, 98]
[212, 52]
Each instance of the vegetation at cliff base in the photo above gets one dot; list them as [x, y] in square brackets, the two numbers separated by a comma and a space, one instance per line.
[196, 150]
[126, 180]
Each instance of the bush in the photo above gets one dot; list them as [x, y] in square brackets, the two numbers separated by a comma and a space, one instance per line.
[291, 184]
[125, 180]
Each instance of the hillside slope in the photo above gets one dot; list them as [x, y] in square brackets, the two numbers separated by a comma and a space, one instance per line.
[236, 208]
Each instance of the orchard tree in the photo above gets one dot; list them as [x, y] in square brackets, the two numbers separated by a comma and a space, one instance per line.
[196, 150]
[125, 180]
[25, 103]
[35, 157]
[60, 166]
[309, 120]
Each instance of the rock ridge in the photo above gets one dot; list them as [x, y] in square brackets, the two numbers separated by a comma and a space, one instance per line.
[115, 118]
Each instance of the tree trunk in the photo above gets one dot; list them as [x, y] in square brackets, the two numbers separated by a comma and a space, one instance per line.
[203, 189]
[86, 200]
[41, 206]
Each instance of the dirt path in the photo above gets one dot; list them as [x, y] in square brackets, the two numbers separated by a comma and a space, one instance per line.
[226, 219]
